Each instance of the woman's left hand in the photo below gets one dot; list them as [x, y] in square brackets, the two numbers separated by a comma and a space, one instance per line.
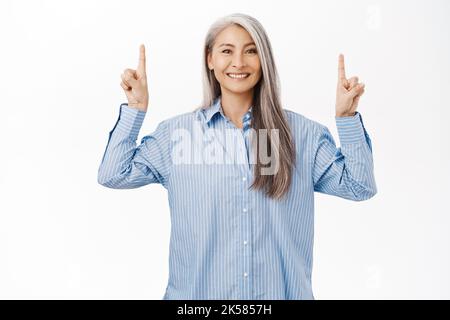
[348, 92]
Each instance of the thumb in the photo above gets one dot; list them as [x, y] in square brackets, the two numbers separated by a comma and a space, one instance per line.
[128, 77]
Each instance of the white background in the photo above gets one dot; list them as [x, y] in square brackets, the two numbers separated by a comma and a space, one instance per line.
[63, 236]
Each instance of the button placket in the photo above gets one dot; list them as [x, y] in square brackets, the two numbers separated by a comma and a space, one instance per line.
[245, 247]
[246, 284]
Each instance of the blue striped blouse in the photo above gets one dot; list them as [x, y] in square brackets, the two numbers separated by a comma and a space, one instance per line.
[226, 241]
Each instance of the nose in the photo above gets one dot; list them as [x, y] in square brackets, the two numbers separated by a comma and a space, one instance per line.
[238, 61]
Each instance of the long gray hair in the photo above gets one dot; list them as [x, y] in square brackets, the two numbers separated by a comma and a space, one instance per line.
[267, 112]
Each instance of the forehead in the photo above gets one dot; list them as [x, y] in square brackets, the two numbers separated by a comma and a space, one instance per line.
[233, 34]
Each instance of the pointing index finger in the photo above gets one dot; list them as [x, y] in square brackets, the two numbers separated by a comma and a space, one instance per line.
[141, 65]
[341, 68]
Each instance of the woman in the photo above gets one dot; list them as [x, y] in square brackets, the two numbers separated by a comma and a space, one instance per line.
[240, 229]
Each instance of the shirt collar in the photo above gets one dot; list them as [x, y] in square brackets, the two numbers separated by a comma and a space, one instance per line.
[213, 109]
[216, 107]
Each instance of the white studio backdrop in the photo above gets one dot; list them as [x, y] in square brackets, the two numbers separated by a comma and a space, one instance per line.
[63, 236]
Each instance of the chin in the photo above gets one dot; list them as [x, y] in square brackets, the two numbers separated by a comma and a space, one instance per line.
[239, 90]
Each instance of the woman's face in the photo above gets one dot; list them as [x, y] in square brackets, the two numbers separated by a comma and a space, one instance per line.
[234, 52]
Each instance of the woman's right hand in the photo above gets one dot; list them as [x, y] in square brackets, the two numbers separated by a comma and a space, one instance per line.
[134, 83]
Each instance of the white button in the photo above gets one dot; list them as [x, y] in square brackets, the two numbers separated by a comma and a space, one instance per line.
[244, 178]
[245, 274]
[245, 242]
[245, 209]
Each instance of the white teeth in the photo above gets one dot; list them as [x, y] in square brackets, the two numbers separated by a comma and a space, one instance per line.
[238, 75]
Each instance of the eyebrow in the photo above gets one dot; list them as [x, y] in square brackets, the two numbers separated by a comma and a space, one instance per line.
[231, 45]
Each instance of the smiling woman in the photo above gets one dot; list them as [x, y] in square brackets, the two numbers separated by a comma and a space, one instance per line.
[238, 230]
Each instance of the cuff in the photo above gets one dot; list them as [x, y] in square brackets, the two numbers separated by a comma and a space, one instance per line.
[350, 129]
[130, 120]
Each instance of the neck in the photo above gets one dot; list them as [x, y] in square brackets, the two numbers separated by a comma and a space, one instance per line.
[234, 105]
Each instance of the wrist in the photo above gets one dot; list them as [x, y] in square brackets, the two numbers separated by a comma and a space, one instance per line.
[138, 106]
[348, 114]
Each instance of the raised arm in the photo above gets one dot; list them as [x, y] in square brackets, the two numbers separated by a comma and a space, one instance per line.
[348, 171]
[125, 165]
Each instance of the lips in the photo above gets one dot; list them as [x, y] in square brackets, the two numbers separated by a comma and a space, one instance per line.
[239, 75]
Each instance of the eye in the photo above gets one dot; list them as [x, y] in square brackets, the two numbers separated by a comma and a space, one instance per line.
[249, 50]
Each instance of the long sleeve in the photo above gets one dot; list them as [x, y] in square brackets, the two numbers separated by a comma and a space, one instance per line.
[348, 171]
[124, 164]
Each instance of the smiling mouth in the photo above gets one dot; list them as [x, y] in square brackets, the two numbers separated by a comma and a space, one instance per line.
[238, 76]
